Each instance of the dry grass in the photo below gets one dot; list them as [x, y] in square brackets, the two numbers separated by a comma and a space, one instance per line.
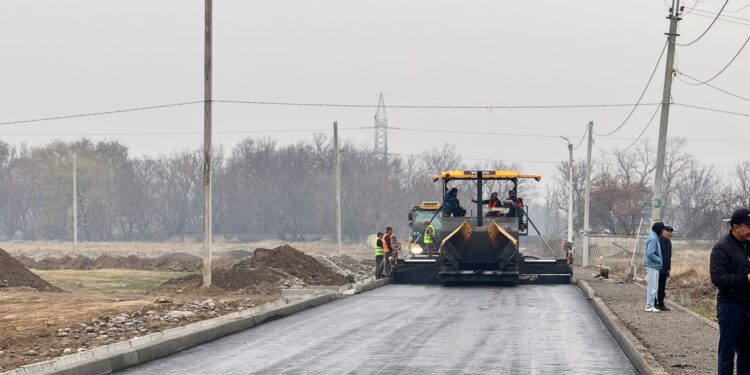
[106, 281]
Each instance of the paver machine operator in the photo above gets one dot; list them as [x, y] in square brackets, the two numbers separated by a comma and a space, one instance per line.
[480, 245]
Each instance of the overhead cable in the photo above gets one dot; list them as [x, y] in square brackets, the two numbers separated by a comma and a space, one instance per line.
[648, 83]
[679, 74]
[699, 82]
[708, 28]
[651, 120]
[101, 113]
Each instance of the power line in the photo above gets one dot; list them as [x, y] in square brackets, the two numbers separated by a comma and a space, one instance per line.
[482, 107]
[643, 131]
[712, 109]
[725, 67]
[724, 16]
[708, 28]
[710, 85]
[650, 78]
[722, 19]
[582, 138]
[173, 133]
[100, 113]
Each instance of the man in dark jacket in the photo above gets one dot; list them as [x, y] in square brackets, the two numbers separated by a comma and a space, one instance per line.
[730, 272]
[665, 240]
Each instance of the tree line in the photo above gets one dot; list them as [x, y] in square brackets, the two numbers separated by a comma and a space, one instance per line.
[263, 189]
[697, 197]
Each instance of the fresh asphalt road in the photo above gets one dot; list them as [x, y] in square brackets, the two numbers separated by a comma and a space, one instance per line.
[410, 329]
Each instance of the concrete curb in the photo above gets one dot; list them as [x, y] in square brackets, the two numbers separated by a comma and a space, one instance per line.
[121, 355]
[674, 304]
[643, 361]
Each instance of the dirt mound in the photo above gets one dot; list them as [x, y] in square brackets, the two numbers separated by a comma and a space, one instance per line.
[297, 264]
[176, 262]
[267, 271]
[28, 262]
[236, 255]
[15, 274]
[79, 262]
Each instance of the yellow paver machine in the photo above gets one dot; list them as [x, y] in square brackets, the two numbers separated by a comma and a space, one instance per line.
[480, 245]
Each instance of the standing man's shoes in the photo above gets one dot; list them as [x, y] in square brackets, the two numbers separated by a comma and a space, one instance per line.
[664, 308]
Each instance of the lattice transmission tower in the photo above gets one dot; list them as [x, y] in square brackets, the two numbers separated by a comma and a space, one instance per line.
[381, 130]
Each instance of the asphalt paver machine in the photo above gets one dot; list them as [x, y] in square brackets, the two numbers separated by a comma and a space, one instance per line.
[482, 246]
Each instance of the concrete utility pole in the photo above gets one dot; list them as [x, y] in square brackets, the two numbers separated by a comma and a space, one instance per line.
[674, 17]
[587, 203]
[337, 160]
[75, 203]
[207, 230]
[570, 190]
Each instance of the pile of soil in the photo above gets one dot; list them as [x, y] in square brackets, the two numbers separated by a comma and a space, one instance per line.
[15, 274]
[228, 259]
[176, 262]
[359, 269]
[266, 272]
[79, 262]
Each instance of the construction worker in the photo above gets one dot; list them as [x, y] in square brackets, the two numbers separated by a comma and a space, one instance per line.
[429, 238]
[390, 250]
[491, 203]
[379, 255]
[517, 208]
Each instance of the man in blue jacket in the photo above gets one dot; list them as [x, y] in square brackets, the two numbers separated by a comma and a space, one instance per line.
[652, 260]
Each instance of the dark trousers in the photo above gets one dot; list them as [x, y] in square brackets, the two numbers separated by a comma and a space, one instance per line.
[379, 266]
[660, 293]
[734, 337]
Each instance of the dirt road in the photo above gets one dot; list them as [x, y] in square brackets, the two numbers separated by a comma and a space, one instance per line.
[540, 329]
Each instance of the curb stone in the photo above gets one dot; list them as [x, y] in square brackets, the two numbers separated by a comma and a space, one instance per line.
[643, 361]
[139, 350]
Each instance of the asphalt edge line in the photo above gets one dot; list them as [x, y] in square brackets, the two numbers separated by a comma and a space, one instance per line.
[139, 350]
[694, 314]
[643, 361]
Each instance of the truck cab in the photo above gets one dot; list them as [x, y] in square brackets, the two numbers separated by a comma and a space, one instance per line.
[427, 212]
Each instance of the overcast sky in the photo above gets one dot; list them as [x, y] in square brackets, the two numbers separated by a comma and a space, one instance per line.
[68, 57]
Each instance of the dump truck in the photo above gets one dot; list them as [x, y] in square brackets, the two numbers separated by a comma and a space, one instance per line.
[480, 245]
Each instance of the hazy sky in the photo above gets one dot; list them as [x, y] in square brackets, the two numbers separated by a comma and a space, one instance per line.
[68, 57]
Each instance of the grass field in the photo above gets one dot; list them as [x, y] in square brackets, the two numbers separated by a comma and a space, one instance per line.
[106, 281]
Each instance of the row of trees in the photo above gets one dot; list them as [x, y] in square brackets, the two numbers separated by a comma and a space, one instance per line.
[697, 197]
[263, 189]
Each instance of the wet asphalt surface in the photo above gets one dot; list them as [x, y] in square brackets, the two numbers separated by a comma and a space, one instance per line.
[411, 329]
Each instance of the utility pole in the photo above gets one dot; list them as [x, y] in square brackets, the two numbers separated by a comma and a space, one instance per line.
[570, 190]
[587, 202]
[657, 202]
[75, 203]
[207, 230]
[337, 160]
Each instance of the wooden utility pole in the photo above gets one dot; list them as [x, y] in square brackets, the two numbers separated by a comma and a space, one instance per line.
[207, 230]
[337, 160]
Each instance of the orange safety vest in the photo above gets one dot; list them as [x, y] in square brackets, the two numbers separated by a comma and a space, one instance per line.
[385, 245]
